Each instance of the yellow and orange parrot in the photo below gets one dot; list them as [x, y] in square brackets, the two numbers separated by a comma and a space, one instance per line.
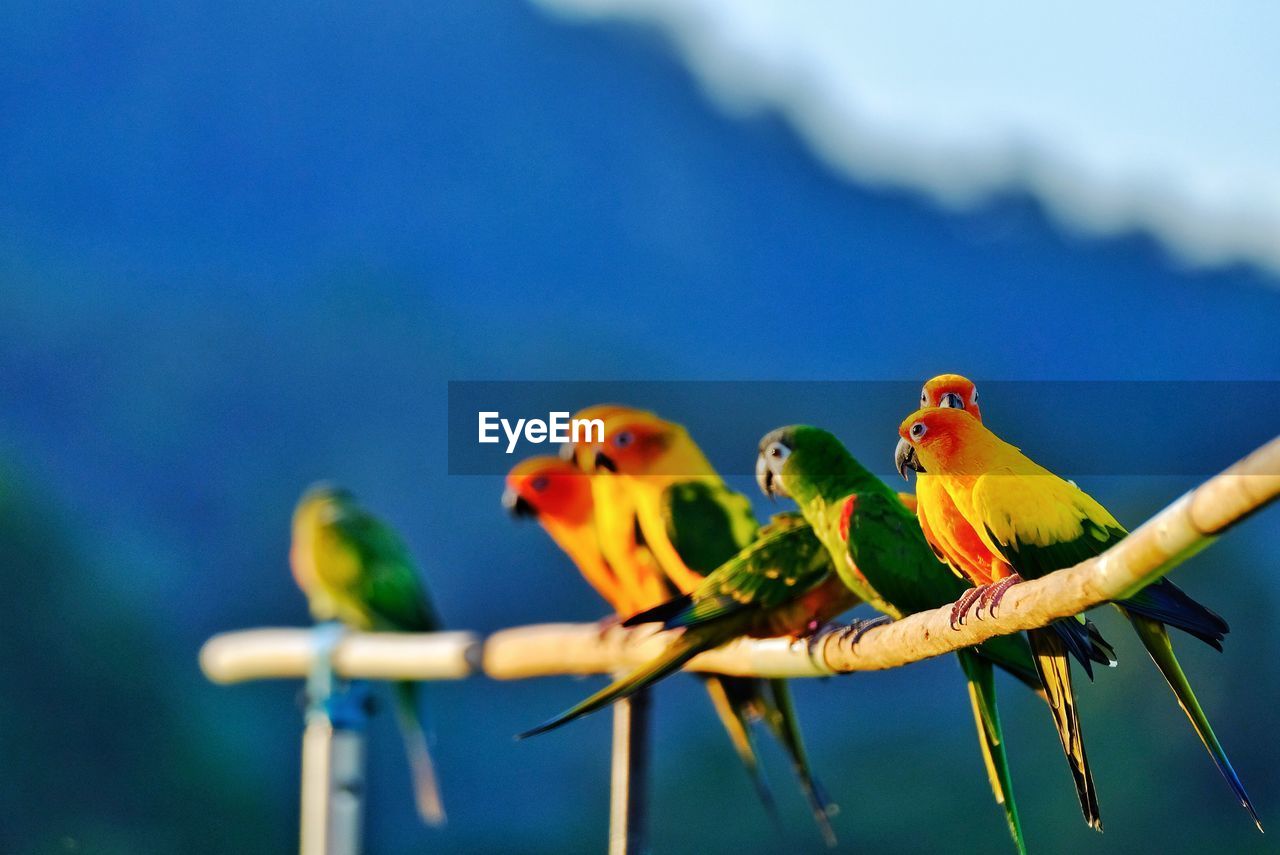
[676, 505]
[561, 498]
[1029, 523]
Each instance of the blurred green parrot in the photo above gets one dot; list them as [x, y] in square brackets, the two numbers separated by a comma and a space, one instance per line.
[355, 569]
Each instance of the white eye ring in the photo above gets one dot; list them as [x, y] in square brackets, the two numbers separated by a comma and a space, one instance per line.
[777, 451]
[623, 439]
[918, 430]
[973, 399]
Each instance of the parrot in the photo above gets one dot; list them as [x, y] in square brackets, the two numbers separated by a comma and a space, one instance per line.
[615, 522]
[691, 522]
[881, 554]
[355, 569]
[781, 584]
[560, 496]
[1031, 522]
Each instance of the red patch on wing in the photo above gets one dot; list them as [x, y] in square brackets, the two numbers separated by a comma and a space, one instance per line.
[846, 514]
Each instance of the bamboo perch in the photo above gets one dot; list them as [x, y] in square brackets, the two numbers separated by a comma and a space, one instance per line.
[1183, 528]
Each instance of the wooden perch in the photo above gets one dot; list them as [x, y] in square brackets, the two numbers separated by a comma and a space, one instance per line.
[1159, 545]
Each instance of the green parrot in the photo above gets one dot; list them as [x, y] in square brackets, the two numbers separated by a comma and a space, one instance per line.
[783, 583]
[881, 554]
[354, 568]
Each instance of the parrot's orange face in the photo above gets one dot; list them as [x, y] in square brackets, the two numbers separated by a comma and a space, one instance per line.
[933, 439]
[951, 390]
[583, 453]
[634, 445]
[550, 488]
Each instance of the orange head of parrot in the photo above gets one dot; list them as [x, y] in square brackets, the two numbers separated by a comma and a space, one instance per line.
[583, 452]
[951, 390]
[934, 439]
[549, 488]
[634, 443]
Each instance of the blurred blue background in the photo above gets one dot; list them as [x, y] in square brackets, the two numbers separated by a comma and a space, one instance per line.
[246, 246]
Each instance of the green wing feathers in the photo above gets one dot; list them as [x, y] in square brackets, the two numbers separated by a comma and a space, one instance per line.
[707, 523]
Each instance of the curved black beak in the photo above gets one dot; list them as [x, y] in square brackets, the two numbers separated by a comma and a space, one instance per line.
[603, 461]
[517, 505]
[904, 458]
[769, 483]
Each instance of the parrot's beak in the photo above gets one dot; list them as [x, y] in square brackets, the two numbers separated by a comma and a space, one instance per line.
[769, 483]
[603, 461]
[568, 451]
[517, 505]
[904, 458]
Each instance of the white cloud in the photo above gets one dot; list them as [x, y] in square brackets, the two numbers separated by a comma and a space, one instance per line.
[1161, 117]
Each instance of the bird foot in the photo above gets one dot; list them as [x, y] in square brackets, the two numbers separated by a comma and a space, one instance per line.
[960, 610]
[992, 594]
[853, 632]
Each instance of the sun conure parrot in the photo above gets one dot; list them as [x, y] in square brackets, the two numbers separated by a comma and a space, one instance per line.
[560, 496]
[882, 556]
[639, 576]
[686, 516]
[1034, 522]
[781, 584]
[355, 569]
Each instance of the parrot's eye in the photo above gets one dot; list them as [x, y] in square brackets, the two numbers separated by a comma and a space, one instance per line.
[540, 483]
[952, 400]
[924, 398]
[777, 451]
[624, 439]
[973, 399]
[917, 430]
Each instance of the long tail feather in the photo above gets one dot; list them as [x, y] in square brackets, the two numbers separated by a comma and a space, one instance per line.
[982, 695]
[1156, 639]
[426, 788]
[681, 651]
[1167, 603]
[1055, 672]
[785, 725]
[733, 701]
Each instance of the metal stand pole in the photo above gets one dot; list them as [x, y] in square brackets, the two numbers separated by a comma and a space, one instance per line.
[332, 757]
[629, 791]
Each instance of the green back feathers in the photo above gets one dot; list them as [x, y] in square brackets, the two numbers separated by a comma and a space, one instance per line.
[386, 588]
[707, 523]
[784, 562]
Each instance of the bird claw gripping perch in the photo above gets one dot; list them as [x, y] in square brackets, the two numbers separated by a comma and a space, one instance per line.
[854, 631]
